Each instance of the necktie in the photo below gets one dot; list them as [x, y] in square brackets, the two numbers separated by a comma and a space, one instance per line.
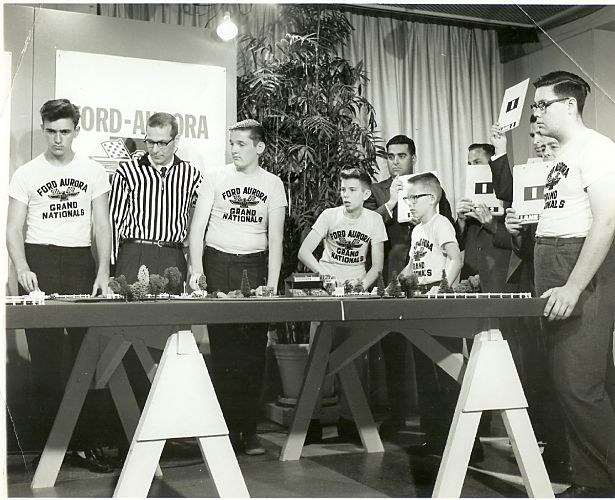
[163, 171]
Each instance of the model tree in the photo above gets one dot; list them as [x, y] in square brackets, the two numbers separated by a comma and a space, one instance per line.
[246, 291]
[139, 290]
[463, 287]
[202, 282]
[174, 279]
[119, 285]
[409, 284]
[444, 286]
[143, 275]
[381, 290]
[157, 284]
[394, 287]
[474, 282]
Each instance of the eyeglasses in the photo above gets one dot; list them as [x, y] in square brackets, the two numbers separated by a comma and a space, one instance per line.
[413, 198]
[543, 105]
[161, 144]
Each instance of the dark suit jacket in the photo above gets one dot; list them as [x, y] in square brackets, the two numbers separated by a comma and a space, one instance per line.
[521, 264]
[396, 249]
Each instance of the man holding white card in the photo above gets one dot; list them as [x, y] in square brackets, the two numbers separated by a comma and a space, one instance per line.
[401, 158]
[482, 235]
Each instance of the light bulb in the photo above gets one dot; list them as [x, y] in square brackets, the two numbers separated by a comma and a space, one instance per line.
[227, 29]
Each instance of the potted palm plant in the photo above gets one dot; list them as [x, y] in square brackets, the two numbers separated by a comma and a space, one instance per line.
[317, 121]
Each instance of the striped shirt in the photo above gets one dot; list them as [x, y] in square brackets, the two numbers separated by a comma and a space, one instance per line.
[152, 205]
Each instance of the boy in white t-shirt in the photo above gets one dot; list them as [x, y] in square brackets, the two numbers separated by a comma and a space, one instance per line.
[240, 215]
[434, 247]
[348, 231]
[60, 196]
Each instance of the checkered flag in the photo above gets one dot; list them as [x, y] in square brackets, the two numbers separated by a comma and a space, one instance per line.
[115, 149]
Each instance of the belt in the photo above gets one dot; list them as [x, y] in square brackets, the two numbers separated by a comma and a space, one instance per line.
[158, 243]
[555, 241]
[215, 251]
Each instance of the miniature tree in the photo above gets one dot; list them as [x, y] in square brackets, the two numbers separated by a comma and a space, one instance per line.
[394, 287]
[380, 285]
[463, 287]
[157, 284]
[115, 286]
[120, 286]
[139, 290]
[475, 283]
[444, 286]
[348, 287]
[202, 282]
[246, 290]
[143, 275]
[174, 279]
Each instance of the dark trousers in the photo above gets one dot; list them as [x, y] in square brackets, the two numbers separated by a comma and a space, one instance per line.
[580, 359]
[237, 351]
[130, 258]
[64, 270]
[394, 346]
[437, 393]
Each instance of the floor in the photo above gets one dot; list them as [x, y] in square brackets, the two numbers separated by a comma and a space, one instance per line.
[327, 469]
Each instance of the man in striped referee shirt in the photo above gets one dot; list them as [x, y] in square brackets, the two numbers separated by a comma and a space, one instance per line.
[240, 211]
[151, 202]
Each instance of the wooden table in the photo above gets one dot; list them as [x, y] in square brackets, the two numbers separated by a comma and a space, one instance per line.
[182, 402]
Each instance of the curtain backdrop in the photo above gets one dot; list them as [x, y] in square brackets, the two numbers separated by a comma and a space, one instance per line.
[440, 85]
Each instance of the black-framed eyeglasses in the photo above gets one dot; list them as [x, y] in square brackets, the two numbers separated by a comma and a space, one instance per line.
[413, 198]
[543, 105]
[161, 144]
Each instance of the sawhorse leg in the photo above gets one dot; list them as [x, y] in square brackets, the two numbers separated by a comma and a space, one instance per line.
[491, 382]
[181, 403]
[310, 390]
[64, 424]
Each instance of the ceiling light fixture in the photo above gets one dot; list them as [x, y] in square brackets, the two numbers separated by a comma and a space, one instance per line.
[227, 29]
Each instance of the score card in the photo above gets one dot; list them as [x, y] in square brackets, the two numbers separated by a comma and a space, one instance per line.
[479, 188]
[512, 105]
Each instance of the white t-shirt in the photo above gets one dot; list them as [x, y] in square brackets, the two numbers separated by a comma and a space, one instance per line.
[347, 241]
[241, 206]
[583, 161]
[59, 199]
[426, 254]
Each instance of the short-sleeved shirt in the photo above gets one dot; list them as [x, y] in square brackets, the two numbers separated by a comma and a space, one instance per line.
[242, 203]
[583, 161]
[426, 253]
[347, 241]
[59, 199]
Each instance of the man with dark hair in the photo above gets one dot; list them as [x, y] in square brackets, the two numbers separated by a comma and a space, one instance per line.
[151, 203]
[240, 211]
[528, 343]
[574, 260]
[478, 152]
[401, 158]
[60, 196]
[483, 236]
